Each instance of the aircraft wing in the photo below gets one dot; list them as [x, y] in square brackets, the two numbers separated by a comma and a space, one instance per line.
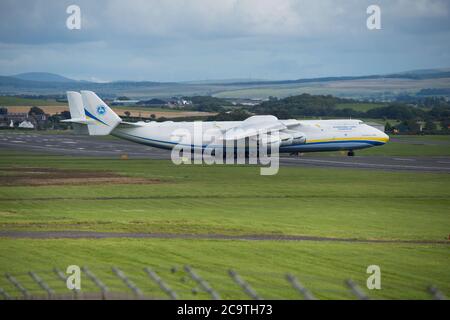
[253, 126]
[290, 123]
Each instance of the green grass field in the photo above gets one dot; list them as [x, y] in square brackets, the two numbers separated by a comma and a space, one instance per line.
[438, 145]
[17, 101]
[235, 200]
[403, 145]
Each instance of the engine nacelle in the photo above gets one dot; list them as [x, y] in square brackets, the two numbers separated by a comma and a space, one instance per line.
[296, 137]
[270, 140]
[286, 139]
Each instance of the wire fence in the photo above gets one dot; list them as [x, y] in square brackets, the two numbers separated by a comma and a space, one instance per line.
[180, 282]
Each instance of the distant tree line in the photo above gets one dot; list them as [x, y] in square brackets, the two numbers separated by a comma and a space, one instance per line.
[428, 110]
[303, 105]
[207, 103]
[231, 115]
[430, 115]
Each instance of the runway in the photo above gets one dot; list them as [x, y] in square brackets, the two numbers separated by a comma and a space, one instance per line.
[88, 146]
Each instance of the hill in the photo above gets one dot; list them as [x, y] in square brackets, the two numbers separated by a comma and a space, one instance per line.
[370, 87]
[42, 76]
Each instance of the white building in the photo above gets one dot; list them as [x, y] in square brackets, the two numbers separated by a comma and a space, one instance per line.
[26, 125]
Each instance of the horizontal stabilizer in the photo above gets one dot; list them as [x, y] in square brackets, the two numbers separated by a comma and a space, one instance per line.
[77, 120]
[131, 124]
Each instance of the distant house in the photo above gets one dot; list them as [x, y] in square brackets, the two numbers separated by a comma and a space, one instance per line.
[24, 119]
[7, 118]
[247, 102]
[26, 125]
[16, 116]
[151, 102]
[4, 125]
[124, 102]
[178, 102]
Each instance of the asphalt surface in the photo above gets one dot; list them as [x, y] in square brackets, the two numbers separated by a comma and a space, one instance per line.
[258, 237]
[88, 146]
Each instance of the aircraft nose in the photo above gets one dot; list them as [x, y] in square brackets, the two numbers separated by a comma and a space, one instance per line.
[384, 137]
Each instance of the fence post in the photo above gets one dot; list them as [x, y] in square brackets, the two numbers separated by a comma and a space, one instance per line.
[244, 285]
[164, 287]
[300, 288]
[130, 284]
[4, 294]
[19, 287]
[356, 290]
[97, 282]
[42, 284]
[436, 293]
[202, 283]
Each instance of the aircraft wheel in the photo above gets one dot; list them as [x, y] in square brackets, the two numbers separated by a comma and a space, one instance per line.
[351, 153]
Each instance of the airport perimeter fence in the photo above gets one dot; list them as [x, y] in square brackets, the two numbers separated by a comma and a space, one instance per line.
[181, 282]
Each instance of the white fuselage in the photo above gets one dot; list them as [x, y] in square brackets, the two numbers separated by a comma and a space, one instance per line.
[319, 135]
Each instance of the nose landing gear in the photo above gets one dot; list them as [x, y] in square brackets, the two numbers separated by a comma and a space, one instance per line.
[350, 153]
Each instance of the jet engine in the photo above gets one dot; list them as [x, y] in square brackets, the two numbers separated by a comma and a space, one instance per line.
[290, 137]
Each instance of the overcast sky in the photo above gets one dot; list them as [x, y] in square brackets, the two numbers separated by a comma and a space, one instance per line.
[175, 40]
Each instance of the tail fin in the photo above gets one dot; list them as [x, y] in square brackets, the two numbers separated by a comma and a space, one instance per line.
[75, 105]
[101, 119]
[78, 118]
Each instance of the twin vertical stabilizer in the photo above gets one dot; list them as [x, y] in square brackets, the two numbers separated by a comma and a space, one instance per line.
[87, 108]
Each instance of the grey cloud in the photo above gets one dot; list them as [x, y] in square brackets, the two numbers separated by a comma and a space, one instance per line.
[183, 40]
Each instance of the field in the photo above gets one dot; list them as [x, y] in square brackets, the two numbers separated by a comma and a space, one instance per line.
[134, 111]
[407, 210]
[357, 89]
[16, 101]
[404, 145]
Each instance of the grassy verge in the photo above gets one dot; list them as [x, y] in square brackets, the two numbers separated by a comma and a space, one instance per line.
[10, 101]
[232, 200]
[399, 145]
[322, 267]
[403, 145]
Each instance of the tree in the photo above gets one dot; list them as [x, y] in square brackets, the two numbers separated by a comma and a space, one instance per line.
[388, 127]
[397, 111]
[65, 115]
[35, 111]
[413, 126]
[430, 127]
[234, 115]
[445, 124]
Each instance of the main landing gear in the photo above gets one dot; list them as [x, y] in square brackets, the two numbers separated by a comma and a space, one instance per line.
[296, 154]
[350, 153]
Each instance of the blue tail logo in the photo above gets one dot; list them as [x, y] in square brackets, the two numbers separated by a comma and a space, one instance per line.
[101, 110]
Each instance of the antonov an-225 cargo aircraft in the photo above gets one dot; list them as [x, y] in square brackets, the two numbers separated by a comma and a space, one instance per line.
[293, 136]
